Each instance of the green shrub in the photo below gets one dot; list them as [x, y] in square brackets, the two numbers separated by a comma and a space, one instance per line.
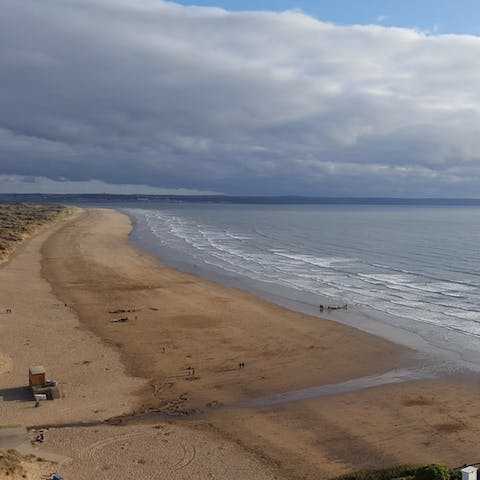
[396, 472]
[433, 471]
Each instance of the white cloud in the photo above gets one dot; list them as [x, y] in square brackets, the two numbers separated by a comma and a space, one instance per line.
[143, 92]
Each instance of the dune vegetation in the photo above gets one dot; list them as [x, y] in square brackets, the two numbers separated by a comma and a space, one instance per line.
[19, 221]
[12, 464]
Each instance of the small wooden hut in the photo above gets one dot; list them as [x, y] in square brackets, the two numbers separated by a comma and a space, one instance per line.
[36, 376]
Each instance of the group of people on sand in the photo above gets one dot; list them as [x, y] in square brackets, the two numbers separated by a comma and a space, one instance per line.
[334, 307]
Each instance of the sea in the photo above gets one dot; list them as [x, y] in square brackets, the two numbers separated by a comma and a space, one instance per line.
[407, 271]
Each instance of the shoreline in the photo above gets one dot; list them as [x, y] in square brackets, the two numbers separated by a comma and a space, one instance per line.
[443, 343]
[109, 369]
[207, 310]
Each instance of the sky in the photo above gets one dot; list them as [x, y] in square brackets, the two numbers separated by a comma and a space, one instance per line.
[342, 98]
[442, 16]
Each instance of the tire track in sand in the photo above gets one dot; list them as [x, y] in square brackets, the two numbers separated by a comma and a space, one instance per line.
[186, 451]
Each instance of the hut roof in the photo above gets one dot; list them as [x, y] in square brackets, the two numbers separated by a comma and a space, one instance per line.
[37, 370]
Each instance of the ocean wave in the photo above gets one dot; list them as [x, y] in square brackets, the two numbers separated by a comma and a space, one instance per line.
[421, 291]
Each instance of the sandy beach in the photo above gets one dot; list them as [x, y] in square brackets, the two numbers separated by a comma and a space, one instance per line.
[177, 352]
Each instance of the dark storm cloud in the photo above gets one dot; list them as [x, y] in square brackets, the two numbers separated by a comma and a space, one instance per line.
[153, 93]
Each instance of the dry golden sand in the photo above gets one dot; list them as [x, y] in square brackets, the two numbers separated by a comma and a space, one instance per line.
[41, 330]
[157, 451]
[178, 321]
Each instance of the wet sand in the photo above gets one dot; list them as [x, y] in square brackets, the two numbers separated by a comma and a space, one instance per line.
[178, 322]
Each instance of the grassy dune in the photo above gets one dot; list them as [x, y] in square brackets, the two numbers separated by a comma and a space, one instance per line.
[15, 466]
[19, 221]
[12, 464]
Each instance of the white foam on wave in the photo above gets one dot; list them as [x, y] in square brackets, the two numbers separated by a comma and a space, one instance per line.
[394, 290]
[387, 278]
[312, 259]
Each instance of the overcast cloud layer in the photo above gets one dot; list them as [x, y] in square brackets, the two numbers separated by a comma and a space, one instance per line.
[152, 93]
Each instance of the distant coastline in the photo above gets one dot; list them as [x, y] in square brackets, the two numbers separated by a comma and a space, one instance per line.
[234, 199]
